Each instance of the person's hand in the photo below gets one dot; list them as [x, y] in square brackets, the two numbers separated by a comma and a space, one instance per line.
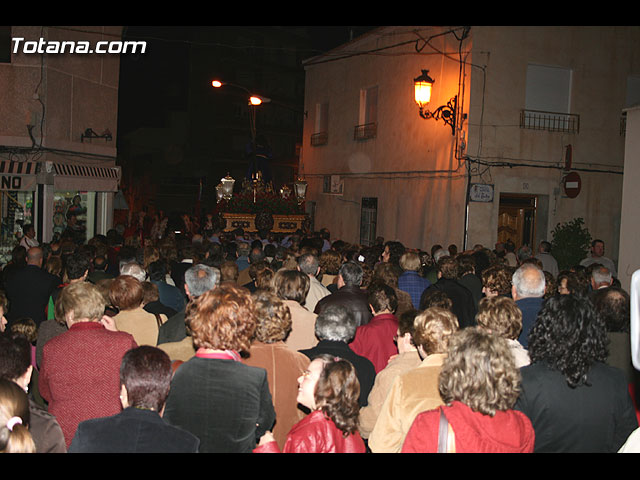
[266, 438]
[109, 323]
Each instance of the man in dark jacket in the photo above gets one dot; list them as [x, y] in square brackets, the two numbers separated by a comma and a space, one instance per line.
[28, 289]
[335, 328]
[198, 280]
[528, 291]
[463, 305]
[349, 294]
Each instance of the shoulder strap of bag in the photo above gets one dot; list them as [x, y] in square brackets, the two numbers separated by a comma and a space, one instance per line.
[443, 430]
[446, 440]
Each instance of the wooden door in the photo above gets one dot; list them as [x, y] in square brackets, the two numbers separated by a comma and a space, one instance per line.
[510, 223]
[516, 219]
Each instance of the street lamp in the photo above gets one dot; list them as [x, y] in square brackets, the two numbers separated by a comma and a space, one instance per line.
[422, 94]
[253, 98]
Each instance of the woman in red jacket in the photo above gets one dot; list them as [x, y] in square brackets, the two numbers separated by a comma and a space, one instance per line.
[80, 370]
[330, 389]
[479, 384]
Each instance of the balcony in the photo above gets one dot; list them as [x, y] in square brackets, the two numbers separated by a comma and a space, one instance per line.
[550, 121]
[365, 131]
[320, 138]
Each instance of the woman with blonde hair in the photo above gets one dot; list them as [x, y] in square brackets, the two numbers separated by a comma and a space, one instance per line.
[329, 388]
[79, 373]
[479, 384]
[14, 419]
[416, 390]
[502, 316]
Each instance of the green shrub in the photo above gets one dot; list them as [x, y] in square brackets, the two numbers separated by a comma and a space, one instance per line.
[571, 242]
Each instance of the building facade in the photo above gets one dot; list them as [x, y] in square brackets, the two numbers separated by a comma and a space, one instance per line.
[538, 137]
[58, 130]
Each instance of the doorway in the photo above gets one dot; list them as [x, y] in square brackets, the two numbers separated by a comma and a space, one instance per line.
[517, 219]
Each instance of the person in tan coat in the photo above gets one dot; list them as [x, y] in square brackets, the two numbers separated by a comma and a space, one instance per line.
[292, 286]
[407, 359]
[126, 293]
[416, 390]
[283, 365]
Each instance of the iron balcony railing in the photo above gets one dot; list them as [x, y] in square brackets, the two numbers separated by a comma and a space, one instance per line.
[550, 121]
[365, 131]
[320, 138]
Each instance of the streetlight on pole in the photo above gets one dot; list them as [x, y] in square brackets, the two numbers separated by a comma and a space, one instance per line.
[253, 101]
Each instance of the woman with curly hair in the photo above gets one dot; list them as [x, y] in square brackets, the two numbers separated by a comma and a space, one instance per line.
[329, 388]
[283, 364]
[575, 401]
[496, 280]
[479, 384]
[330, 262]
[220, 400]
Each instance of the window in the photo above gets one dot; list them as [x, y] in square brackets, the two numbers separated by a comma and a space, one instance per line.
[321, 129]
[368, 115]
[548, 100]
[368, 221]
[333, 184]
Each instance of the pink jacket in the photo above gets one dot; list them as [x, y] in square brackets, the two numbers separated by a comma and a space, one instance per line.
[316, 434]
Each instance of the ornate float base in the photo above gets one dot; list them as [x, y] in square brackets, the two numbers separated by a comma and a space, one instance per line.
[247, 221]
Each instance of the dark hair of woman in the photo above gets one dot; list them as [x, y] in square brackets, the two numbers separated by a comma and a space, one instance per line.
[146, 373]
[337, 393]
[569, 336]
[614, 306]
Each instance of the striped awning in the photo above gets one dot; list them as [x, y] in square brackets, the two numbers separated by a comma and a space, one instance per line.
[18, 168]
[86, 178]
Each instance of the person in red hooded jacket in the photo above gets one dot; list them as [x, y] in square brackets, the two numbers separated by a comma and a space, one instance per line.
[479, 384]
[330, 390]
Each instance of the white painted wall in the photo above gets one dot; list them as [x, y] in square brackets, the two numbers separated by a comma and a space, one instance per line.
[630, 224]
[427, 206]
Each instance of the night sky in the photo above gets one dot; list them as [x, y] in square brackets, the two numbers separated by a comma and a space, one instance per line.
[153, 80]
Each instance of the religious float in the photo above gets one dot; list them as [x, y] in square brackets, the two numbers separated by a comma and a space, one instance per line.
[257, 207]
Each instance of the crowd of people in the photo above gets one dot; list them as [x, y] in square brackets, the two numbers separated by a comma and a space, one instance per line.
[216, 341]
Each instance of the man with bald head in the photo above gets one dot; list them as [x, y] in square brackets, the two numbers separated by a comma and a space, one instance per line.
[28, 289]
[528, 291]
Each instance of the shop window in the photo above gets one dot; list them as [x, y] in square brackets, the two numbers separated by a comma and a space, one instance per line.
[16, 208]
[74, 214]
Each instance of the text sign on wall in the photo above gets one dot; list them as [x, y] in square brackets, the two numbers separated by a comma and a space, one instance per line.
[481, 192]
[17, 182]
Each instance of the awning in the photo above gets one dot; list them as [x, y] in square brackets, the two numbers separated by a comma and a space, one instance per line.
[86, 178]
[17, 175]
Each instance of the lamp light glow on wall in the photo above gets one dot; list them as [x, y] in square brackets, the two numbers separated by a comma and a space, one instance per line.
[422, 86]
